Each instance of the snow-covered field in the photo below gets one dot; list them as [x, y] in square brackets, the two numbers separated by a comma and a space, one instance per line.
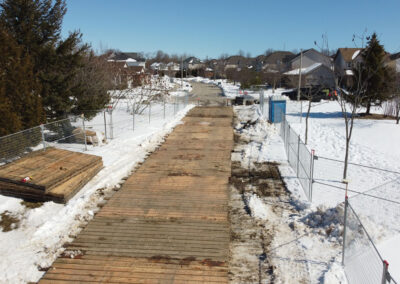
[38, 234]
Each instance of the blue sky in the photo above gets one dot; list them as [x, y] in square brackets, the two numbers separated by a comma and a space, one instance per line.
[210, 28]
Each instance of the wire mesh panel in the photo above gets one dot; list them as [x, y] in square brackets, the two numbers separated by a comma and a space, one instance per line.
[304, 169]
[298, 155]
[362, 262]
[379, 205]
[16, 145]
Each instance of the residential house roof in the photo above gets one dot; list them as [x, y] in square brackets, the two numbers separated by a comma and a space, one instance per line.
[278, 57]
[304, 71]
[192, 60]
[124, 56]
[395, 56]
[348, 54]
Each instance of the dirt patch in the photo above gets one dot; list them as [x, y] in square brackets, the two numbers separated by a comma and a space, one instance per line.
[375, 116]
[31, 205]
[8, 222]
[264, 179]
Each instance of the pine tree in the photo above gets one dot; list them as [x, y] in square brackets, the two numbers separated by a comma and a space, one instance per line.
[377, 77]
[35, 25]
[20, 102]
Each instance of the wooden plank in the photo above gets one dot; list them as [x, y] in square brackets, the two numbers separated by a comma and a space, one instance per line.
[56, 175]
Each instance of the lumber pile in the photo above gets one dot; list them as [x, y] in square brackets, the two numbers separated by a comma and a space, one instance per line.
[52, 174]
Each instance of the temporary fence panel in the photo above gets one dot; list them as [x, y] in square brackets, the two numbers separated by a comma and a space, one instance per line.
[298, 155]
[16, 145]
[362, 261]
[379, 205]
[71, 133]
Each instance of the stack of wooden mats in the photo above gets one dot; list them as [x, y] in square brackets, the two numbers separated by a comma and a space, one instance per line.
[52, 174]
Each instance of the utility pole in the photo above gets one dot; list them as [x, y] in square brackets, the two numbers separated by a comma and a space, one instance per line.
[298, 90]
[182, 71]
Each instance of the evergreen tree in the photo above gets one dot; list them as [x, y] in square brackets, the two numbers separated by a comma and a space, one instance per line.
[375, 76]
[20, 103]
[35, 26]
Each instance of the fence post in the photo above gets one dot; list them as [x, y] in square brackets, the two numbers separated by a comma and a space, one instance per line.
[105, 125]
[111, 125]
[346, 204]
[288, 144]
[133, 119]
[311, 174]
[164, 108]
[385, 272]
[298, 155]
[149, 111]
[174, 106]
[84, 130]
[284, 134]
[43, 139]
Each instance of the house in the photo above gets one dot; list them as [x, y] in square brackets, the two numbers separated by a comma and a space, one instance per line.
[127, 73]
[159, 66]
[308, 58]
[236, 62]
[134, 58]
[275, 62]
[192, 63]
[172, 66]
[344, 61]
[316, 74]
[394, 61]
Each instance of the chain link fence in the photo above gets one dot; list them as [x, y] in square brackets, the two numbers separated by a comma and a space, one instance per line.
[322, 176]
[75, 132]
[361, 259]
[300, 158]
[17, 145]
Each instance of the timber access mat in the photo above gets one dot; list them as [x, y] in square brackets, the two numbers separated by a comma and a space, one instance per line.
[169, 221]
[51, 174]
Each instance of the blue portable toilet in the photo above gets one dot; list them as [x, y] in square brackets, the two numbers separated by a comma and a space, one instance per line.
[277, 109]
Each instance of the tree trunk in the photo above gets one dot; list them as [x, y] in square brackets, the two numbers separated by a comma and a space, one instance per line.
[346, 158]
[368, 107]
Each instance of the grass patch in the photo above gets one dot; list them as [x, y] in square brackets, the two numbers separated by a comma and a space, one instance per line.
[8, 222]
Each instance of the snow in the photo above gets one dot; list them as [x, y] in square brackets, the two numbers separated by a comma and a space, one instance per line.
[305, 70]
[349, 72]
[259, 209]
[39, 235]
[355, 54]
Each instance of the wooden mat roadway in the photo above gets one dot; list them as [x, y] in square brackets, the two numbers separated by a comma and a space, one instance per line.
[169, 222]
